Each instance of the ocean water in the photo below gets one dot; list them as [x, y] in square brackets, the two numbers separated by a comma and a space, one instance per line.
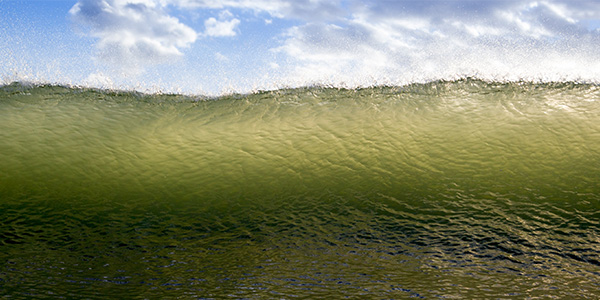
[462, 189]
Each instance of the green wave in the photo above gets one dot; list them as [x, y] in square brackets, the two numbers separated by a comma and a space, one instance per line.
[502, 135]
[422, 190]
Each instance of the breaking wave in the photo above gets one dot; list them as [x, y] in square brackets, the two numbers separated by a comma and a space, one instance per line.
[421, 190]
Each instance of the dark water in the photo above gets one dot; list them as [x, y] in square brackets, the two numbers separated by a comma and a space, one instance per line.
[462, 189]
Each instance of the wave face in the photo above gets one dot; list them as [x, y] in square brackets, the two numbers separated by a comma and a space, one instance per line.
[441, 190]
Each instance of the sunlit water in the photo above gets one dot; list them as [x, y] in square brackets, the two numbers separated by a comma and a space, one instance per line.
[461, 189]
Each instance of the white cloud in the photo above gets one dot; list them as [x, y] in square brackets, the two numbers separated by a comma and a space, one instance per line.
[407, 41]
[221, 57]
[225, 26]
[358, 41]
[133, 33]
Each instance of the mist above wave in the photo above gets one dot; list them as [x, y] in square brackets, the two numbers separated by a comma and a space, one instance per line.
[465, 85]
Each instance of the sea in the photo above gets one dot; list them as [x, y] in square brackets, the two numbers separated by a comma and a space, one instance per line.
[449, 189]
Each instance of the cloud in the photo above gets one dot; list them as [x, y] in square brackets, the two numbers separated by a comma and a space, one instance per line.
[220, 57]
[399, 42]
[133, 33]
[360, 41]
[308, 10]
[225, 26]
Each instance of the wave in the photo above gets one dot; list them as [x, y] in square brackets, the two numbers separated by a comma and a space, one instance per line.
[300, 137]
[441, 186]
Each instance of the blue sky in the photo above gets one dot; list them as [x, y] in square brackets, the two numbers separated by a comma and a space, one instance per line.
[211, 47]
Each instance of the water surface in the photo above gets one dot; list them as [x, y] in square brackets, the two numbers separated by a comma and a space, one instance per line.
[461, 189]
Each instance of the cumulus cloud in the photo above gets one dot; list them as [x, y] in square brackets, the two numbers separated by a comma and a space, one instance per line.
[357, 41]
[225, 26]
[407, 41]
[133, 33]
